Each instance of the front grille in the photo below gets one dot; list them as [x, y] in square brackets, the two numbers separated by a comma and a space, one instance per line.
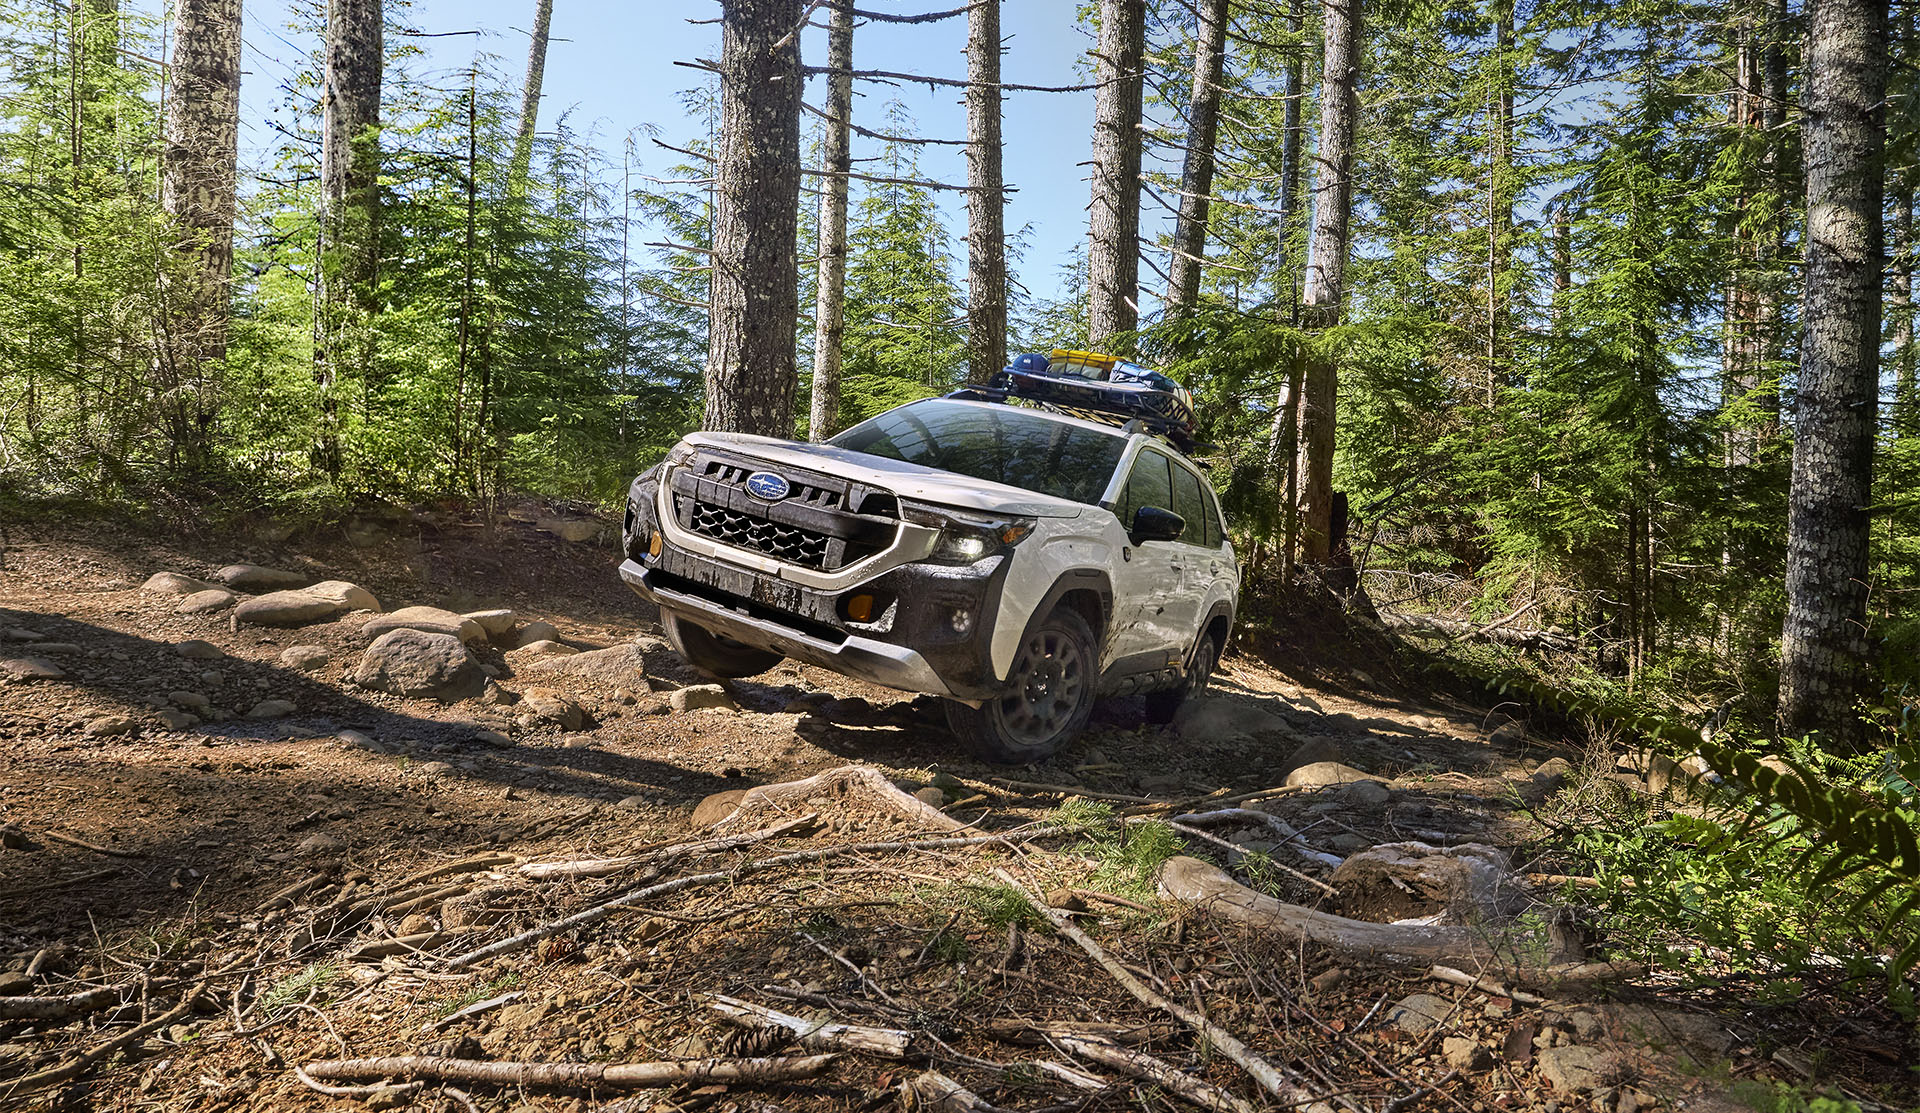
[824, 524]
[731, 527]
[804, 493]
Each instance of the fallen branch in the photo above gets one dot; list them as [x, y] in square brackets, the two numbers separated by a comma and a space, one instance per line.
[860, 780]
[571, 1075]
[473, 1010]
[1461, 978]
[1157, 1071]
[358, 1093]
[58, 1008]
[886, 1043]
[1263, 1072]
[937, 1093]
[73, 1068]
[607, 908]
[601, 867]
[95, 847]
[1076, 790]
[1040, 1032]
[1293, 840]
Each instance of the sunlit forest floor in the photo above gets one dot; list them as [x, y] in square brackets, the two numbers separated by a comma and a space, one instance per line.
[268, 865]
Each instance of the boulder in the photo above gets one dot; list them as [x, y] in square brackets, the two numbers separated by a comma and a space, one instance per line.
[306, 658]
[348, 597]
[1364, 794]
[23, 669]
[430, 620]
[699, 696]
[1214, 718]
[418, 663]
[177, 720]
[1418, 1013]
[1322, 773]
[537, 631]
[549, 705]
[271, 709]
[205, 602]
[494, 622]
[1467, 884]
[1577, 1070]
[284, 608]
[1320, 748]
[173, 583]
[533, 651]
[254, 577]
[107, 726]
[197, 650]
[1465, 1054]
[617, 666]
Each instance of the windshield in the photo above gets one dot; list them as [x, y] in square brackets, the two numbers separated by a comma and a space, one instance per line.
[999, 443]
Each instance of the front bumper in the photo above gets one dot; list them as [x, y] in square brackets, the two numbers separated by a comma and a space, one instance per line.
[931, 633]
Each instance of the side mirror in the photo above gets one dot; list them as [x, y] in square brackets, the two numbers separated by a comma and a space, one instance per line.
[1153, 523]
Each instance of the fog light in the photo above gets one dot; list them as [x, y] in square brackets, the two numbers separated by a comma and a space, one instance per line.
[961, 620]
[860, 608]
[653, 546]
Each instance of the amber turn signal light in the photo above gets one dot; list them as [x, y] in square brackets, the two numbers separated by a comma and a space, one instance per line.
[653, 545]
[860, 608]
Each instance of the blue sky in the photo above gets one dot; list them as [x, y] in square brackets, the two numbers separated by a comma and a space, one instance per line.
[610, 65]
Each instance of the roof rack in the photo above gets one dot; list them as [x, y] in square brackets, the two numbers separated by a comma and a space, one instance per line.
[1132, 405]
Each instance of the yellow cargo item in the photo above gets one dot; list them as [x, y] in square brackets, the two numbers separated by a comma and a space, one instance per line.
[1078, 364]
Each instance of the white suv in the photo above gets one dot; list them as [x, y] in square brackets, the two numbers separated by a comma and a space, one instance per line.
[1018, 561]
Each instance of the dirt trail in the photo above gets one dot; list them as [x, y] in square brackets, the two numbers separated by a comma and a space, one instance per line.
[134, 827]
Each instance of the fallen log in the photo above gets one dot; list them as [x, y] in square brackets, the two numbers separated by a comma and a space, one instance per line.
[65, 1007]
[936, 1093]
[1523, 955]
[847, 780]
[569, 1075]
[1433, 626]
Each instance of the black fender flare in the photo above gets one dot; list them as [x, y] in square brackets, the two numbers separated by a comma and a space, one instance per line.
[1222, 609]
[1095, 580]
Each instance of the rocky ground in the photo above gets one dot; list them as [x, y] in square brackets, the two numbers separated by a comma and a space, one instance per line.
[265, 802]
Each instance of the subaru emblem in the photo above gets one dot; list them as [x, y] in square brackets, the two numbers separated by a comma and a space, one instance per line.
[768, 487]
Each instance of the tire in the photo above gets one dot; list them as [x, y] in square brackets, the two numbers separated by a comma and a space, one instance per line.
[1052, 682]
[1163, 706]
[715, 653]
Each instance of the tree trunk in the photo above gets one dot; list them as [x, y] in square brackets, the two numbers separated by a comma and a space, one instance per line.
[1290, 146]
[1196, 176]
[1906, 422]
[349, 203]
[830, 284]
[1113, 256]
[986, 202]
[1824, 650]
[755, 279]
[198, 173]
[350, 141]
[1499, 194]
[1562, 216]
[530, 95]
[1326, 266]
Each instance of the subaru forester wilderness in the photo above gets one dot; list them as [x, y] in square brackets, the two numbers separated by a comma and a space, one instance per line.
[1019, 549]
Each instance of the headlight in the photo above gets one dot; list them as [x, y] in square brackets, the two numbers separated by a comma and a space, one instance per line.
[966, 538]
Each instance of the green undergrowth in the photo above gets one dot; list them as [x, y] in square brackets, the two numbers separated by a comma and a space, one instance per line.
[1783, 862]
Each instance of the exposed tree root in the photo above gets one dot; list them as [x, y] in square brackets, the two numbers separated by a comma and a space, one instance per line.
[788, 797]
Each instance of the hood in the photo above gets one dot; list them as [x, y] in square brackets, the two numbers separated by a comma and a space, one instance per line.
[909, 481]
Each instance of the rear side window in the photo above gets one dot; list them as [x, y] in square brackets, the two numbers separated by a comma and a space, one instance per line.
[1149, 484]
[1188, 504]
[1213, 516]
